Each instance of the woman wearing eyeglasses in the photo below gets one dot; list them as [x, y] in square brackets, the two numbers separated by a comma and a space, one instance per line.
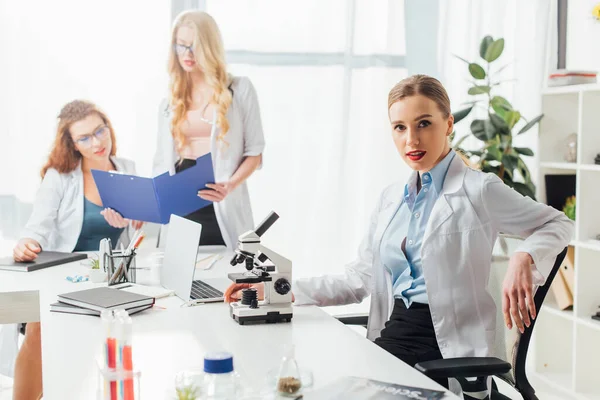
[68, 214]
[210, 111]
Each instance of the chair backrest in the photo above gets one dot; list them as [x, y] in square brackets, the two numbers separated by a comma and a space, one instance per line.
[522, 344]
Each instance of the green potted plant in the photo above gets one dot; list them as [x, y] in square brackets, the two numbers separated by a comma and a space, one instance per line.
[189, 392]
[495, 130]
[97, 275]
[569, 208]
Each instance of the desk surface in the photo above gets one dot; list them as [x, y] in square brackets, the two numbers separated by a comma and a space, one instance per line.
[176, 338]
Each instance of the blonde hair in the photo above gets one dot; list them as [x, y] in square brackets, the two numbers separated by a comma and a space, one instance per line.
[64, 157]
[429, 87]
[209, 55]
[425, 86]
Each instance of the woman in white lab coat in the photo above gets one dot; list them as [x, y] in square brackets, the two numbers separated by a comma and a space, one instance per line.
[67, 215]
[426, 255]
[210, 111]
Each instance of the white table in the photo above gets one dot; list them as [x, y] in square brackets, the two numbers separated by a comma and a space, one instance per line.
[172, 339]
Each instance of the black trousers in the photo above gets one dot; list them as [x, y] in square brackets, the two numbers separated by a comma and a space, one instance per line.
[409, 335]
[211, 233]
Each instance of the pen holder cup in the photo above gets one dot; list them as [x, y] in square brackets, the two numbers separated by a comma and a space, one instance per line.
[118, 384]
[120, 267]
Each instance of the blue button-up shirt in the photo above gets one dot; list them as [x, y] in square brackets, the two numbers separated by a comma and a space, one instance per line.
[409, 223]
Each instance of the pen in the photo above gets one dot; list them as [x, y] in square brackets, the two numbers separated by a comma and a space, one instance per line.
[214, 261]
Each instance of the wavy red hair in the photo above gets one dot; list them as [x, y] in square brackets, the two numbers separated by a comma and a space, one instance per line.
[64, 157]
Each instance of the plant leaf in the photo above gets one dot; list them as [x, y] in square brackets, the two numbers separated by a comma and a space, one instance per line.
[482, 129]
[479, 89]
[524, 151]
[485, 43]
[494, 50]
[462, 139]
[500, 124]
[500, 105]
[462, 59]
[531, 187]
[493, 153]
[530, 124]
[461, 114]
[525, 190]
[476, 71]
[486, 167]
[502, 68]
[511, 118]
[510, 162]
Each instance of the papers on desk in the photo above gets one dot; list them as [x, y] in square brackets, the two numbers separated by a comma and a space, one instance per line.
[353, 388]
[155, 199]
[150, 291]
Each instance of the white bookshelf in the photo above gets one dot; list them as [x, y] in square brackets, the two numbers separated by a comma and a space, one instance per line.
[567, 343]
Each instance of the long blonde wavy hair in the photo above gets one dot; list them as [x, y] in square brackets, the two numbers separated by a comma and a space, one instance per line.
[209, 55]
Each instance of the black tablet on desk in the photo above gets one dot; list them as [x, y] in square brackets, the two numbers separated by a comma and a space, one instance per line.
[44, 259]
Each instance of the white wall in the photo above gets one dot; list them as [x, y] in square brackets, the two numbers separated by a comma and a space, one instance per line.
[583, 33]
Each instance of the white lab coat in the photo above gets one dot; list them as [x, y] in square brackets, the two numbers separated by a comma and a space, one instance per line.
[245, 138]
[57, 216]
[55, 223]
[456, 254]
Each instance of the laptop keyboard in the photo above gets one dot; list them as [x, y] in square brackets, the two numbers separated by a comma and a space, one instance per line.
[201, 290]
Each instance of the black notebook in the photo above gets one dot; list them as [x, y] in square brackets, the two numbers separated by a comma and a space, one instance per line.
[105, 298]
[69, 309]
[44, 259]
[353, 388]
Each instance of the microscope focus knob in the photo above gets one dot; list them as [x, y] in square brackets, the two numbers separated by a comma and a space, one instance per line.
[249, 263]
[282, 286]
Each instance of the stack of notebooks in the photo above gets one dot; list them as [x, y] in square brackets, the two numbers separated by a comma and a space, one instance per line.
[94, 301]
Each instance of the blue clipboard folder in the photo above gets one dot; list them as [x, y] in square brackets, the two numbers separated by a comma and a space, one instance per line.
[155, 199]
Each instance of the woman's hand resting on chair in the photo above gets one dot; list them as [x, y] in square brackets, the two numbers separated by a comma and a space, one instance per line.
[517, 292]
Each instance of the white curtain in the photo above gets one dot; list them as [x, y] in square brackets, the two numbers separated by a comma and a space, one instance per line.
[524, 25]
[51, 52]
[322, 71]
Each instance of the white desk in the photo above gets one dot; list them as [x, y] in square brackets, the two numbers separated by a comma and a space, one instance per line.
[169, 340]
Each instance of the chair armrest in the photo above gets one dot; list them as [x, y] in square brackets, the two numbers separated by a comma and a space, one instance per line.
[464, 367]
[353, 319]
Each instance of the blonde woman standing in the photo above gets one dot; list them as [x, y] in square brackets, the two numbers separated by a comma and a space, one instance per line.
[210, 111]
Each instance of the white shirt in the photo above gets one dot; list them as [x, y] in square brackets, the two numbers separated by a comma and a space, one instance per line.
[245, 138]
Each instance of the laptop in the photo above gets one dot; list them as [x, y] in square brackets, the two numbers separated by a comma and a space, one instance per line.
[179, 264]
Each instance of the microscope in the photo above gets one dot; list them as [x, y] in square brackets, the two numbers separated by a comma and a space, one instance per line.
[262, 265]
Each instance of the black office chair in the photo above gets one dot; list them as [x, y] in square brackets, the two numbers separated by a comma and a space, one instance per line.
[482, 367]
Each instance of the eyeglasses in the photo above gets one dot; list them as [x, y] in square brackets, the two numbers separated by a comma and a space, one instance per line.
[182, 48]
[86, 140]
